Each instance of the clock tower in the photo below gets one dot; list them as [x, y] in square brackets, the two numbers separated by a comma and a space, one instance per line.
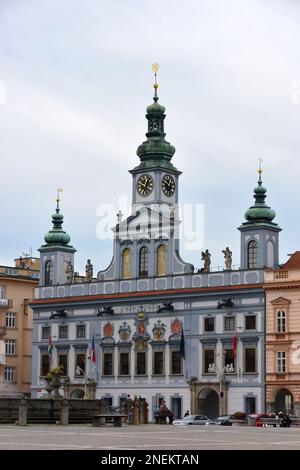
[146, 244]
[155, 179]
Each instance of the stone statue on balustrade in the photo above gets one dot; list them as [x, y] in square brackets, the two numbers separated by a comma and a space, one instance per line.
[228, 258]
[89, 271]
[70, 272]
[206, 258]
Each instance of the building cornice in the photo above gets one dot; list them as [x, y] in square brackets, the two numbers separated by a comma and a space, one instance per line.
[138, 295]
[282, 285]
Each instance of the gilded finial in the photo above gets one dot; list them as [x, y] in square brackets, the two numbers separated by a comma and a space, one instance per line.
[59, 190]
[155, 68]
[260, 160]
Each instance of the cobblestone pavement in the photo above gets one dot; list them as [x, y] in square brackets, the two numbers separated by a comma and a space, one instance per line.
[147, 437]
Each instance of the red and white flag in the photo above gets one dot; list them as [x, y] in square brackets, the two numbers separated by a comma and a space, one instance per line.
[93, 352]
[234, 344]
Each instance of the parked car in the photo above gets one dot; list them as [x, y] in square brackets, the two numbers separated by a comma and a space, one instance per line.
[191, 419]
[257, 417]
[221, 421]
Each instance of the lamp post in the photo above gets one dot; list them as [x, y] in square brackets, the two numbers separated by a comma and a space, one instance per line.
[79, 372]
[227, 369]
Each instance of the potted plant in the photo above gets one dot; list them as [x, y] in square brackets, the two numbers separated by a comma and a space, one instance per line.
[239, 419]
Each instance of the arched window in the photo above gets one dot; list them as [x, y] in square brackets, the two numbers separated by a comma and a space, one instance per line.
[143, 262]
[252, 254]
[161, 267]
[281, 321]
[48, 273]
[126, 263]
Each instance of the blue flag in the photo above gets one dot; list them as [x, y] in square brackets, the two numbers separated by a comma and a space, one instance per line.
[182, 349]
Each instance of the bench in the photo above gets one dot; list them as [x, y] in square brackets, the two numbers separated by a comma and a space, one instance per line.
[100, 419]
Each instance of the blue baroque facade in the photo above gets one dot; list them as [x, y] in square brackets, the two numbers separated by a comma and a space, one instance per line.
[136, 308]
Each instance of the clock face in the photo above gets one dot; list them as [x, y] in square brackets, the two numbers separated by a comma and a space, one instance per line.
[168, 185]
[145, 185]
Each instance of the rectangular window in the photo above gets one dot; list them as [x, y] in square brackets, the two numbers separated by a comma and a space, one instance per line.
[2, 293]
[46, 332]
[9, 374]
[80, 364]
[281, 362]
[209, 324]
[10, 346]
[158, 363]
[250, 405]
[250, 360]
[63, 363]
[10, 320]
[107, 363]
[250, 323]
[80, 331]
[176, 363]
[124, 363]
[229, 323]
[209, 358]
[45, 365]
[229, 358]
[63, 331]
[140, 363]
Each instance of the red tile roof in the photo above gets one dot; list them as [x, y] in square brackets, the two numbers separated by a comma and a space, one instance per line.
[293, 262]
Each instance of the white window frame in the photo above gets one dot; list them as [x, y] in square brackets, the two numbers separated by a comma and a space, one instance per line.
[281, 321]
[9, 374]
[10, 347]
[281, 362]
[2, 290]
[11, 320]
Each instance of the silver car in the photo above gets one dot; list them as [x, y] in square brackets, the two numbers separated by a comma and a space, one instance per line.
[191, 419]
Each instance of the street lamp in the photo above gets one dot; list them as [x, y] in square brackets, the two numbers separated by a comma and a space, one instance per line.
[80, 372]
[227, 369]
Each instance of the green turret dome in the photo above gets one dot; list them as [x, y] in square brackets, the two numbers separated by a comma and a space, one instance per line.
[260, 212]
[155, 151]
[57, 236]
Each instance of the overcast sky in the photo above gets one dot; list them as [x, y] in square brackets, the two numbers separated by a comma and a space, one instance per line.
[75, 79]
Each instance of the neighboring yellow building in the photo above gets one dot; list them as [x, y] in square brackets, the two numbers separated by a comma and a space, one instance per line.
[283, 337]
[17, 286]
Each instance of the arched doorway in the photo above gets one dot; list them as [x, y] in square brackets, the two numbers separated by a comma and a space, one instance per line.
[208, 403]
[77, 393]
[284, 401]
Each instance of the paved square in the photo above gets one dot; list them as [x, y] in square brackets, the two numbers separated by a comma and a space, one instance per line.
[85, 437]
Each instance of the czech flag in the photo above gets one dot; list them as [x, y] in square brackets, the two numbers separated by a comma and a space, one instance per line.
[93, 355]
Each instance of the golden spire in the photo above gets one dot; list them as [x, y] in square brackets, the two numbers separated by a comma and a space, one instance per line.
[59, 190]
[155, 68]
[260, 160]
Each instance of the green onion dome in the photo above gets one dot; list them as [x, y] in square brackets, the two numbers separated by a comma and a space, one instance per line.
[260, 212]
[57, 236]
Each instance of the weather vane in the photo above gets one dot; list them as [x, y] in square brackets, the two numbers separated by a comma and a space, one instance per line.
[155, 68]
[260, 160]
[59, 190]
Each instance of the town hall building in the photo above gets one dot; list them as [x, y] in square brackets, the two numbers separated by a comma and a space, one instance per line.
[161, 329]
